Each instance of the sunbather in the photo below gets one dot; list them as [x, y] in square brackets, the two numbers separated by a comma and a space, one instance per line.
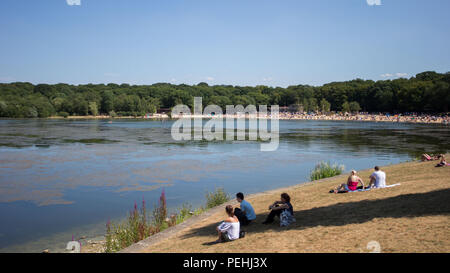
[351, 185]
[427, 157]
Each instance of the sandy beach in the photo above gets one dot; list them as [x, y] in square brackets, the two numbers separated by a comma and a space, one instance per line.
[424, 119]
[412, 217]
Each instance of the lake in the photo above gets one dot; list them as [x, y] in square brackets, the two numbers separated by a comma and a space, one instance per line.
[64, 178]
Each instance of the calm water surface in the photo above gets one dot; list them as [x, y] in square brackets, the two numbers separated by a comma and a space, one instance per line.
[60, 178]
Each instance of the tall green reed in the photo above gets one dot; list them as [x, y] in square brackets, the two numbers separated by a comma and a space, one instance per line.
[325, 169]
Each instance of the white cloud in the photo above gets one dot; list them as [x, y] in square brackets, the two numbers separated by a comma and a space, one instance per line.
[373, 2]
[269, 79]
[387, 75]
[401, 75]
[73, 2]
[210, 79]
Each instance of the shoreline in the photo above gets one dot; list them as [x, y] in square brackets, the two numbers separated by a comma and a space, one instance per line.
[438, 119]
[412, 217]
[194, 221]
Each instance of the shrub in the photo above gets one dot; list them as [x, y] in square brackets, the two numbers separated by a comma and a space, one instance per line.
[132, 230]
[160, 211]
[138, 225]
[216, 198]
[112, 114]
[354, 107]
[324, 170]
[186, 212]
[3, 107]
[63, 114]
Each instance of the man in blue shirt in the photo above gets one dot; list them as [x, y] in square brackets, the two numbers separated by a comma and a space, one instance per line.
[246, 213]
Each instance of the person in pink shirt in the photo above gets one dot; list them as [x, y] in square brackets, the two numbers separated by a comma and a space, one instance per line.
[351, 185]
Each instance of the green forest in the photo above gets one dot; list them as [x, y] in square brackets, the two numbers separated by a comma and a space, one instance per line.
[427, 92]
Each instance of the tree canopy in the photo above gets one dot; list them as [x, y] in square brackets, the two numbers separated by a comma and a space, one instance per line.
[427, 92]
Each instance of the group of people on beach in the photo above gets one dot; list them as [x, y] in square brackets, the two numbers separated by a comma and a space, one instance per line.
[230, 228]
[287, 115]
[410, 118]
[440, 157]
[377, 180]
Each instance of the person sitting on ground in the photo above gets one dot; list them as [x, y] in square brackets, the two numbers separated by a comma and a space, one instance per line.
[228, 230]
[246, 213]
[278, 207]
[442, 163]
[377, 178]
[351, 185]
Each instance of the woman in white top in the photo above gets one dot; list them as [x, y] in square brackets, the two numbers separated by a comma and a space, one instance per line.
[228, 230]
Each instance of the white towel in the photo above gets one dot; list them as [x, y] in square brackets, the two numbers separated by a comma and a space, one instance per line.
[388, 186]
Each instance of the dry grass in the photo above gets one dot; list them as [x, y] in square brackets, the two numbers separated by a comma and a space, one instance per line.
[412, 217]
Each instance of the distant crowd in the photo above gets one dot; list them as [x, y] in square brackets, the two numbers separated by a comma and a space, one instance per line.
[409, 117]
[414, 118]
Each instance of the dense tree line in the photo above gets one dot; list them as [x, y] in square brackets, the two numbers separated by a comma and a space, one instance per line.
[427, 92]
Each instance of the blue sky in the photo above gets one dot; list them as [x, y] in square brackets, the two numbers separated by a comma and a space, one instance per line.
[238, 42]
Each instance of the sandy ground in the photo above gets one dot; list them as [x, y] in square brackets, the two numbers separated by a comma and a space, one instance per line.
[412, 217]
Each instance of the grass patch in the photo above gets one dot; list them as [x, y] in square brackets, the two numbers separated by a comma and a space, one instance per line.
[186, 212]
[325, 169]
